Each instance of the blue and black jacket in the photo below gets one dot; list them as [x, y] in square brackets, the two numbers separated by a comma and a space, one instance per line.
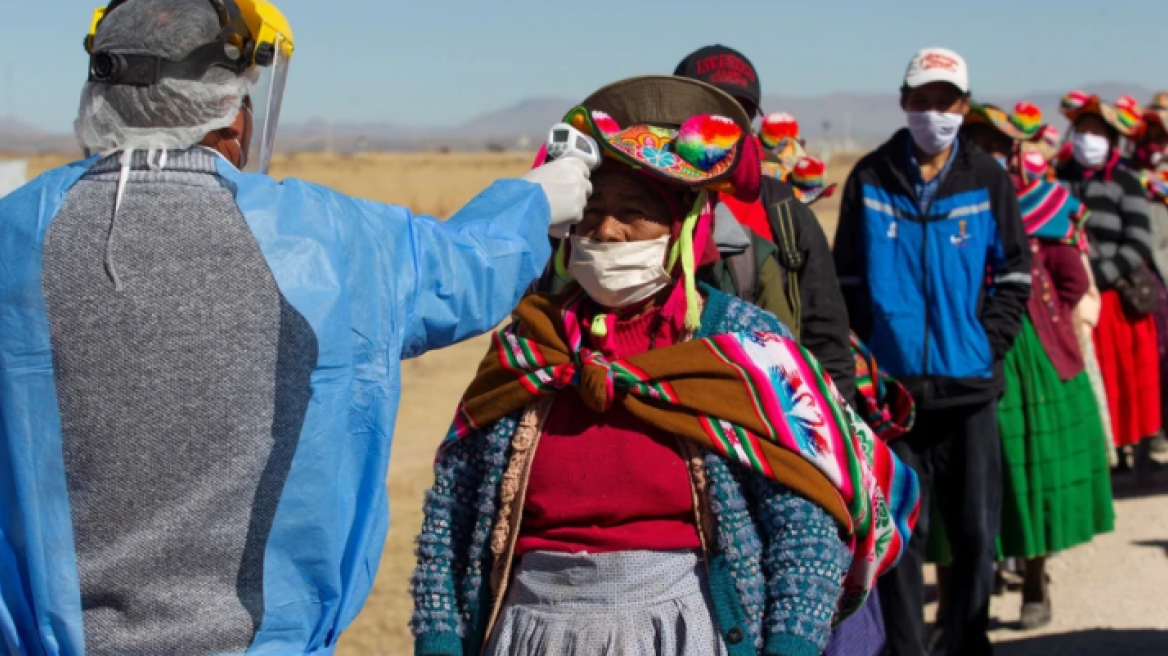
[937, 294]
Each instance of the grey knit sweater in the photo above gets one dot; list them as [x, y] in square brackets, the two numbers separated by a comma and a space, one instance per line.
[181, 400]
[1119, 226]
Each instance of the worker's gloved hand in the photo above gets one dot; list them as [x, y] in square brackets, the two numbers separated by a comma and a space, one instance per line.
[567, 186]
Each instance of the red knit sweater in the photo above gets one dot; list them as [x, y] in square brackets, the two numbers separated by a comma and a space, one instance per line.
[603, 482]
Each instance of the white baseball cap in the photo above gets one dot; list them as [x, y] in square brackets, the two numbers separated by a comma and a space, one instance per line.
[937, 65]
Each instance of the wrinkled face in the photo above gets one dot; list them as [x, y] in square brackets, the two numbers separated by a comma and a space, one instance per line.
[623, 208]
[935, 97]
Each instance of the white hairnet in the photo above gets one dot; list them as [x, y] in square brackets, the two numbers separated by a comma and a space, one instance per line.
[173, 114]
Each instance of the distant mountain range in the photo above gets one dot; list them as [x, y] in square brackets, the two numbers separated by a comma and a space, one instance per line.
[861, 118]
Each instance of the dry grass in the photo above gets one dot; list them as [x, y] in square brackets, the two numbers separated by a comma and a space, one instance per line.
[437, 185]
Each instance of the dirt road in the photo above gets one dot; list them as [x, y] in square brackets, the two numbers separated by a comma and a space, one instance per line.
[1111, 596]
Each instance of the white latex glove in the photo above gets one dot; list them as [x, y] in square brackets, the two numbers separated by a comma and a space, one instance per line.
[567, 186]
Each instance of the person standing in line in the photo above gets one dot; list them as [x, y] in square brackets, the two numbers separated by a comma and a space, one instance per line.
[1121, 259]
[804, 281]
[934, 264]
[1150, 162]
[1057, 491]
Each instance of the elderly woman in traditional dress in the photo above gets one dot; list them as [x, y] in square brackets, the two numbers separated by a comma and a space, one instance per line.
[1122, 261]
[1057, 485]
[647, 466]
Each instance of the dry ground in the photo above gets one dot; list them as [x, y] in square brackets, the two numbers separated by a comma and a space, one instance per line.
[1109, 597]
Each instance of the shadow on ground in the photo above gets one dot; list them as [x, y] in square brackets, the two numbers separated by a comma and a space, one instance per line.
[1123, 485]
[1154, 544]
[1096, 642]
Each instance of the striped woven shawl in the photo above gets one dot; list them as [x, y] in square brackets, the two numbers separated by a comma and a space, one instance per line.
[757, 399]
[888, 408]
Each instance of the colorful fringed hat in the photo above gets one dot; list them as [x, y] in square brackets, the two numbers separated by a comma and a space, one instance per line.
[1023, 125]
[1125, 115]
[809, 179]
[776, 129]
[678, 130]
[1157, 110]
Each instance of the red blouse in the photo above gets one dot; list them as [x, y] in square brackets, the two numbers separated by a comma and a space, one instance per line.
[604, 482]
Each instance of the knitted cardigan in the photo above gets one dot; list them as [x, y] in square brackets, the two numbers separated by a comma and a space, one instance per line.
[775, 570]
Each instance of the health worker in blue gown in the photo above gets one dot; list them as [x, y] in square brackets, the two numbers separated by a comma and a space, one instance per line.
[200, 367]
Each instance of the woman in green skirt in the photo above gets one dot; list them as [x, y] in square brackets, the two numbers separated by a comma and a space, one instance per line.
[1057, 482]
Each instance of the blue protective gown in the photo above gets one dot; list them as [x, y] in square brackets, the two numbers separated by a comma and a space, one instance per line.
[375, 283]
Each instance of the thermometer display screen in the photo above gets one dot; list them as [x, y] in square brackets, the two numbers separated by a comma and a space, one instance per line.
[560, 136]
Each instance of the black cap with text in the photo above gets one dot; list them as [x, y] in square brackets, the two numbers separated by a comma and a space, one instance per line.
[726, 69]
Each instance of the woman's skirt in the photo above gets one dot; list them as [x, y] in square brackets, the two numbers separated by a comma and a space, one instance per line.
[1129, 360]
[1055, 469]
[635, 603]
[1057, 483]
[1160, 317]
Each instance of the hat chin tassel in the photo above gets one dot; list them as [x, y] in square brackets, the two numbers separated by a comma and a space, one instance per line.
[684, 250]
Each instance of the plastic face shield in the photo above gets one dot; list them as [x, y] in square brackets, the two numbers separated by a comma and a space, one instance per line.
[267, 97]
[263, 42]
[273, 35]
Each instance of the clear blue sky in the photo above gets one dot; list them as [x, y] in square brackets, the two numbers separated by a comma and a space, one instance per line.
[434, 62]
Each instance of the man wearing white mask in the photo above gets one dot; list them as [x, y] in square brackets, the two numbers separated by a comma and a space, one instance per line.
[924, 219]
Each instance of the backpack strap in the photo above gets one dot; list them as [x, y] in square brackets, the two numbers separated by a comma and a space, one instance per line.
[743, 270]
[782, 220]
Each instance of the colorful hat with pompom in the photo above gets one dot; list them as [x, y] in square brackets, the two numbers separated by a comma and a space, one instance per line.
[809, 180]
[778, 163]
[777, 128]
[809, 173]
[1124, 116]
[678, 130]
[683, 133]
[1157, 110]
[1028, 118]
[1023, 125]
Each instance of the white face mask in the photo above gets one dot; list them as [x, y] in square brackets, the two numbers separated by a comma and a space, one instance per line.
[933, 132]
[619, 274]
[1090, 150]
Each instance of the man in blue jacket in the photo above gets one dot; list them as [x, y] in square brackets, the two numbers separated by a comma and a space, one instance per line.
[933, 259]
[200, 368]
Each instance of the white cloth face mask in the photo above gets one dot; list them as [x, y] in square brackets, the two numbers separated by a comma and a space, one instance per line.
[933, 132]
[1090, 150]
[619, 274]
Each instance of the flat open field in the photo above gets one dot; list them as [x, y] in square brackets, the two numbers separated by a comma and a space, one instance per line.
[1109, 597]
